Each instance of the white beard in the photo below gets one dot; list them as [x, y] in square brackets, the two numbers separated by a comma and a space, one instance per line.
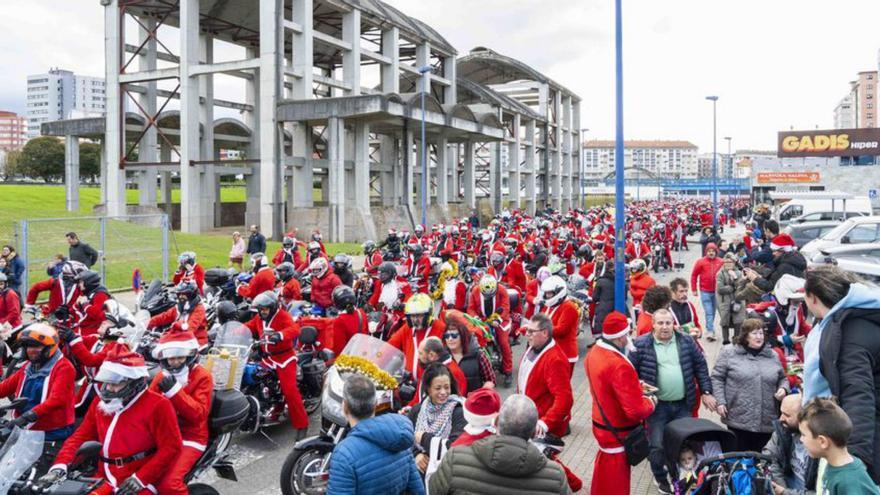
[449, 292]
[388, 296]
[182, 377]
[110, 408]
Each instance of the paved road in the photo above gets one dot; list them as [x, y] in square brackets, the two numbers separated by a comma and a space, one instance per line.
[258, 458]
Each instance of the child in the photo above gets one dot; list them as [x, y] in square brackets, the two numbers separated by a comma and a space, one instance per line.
[687, 465]
[825, 429]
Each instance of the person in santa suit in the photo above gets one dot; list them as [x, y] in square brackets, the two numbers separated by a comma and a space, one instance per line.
[639, 281]
[137, 428]
[189, 271]
[276, 327]
[511, 274]
[454, 293]
[389, 293]
[90, 305]
[480, 410]
[565, 316]
[189, 387]
[187, 315]
[615, 387]
[487, 299]
[372, 258]
[91, 351]
[46, 381]
[10, 307]
[323, 283]
[262, 281]
[63, 291]
[314, 250]
[418, 266]
[636, 248]
[349, 322]
[289, 253]
[288, 286]
[545, 378]
[533, 291]
[420, 324]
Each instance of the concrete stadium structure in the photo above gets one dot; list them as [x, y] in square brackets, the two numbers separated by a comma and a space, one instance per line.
[332, 101]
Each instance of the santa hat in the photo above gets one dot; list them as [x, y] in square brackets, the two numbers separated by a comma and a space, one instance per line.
[789, 288]
[782, 242]
[175, 344]
[482, 407]
[615, 325]
[121, 364]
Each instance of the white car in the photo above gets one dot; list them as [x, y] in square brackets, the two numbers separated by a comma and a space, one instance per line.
[858, 230]
[861, 259]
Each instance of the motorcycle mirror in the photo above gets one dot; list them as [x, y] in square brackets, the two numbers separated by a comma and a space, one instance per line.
[308, 335]
[17, 405]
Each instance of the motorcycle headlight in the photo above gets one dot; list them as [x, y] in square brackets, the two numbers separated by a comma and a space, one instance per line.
[331, 398]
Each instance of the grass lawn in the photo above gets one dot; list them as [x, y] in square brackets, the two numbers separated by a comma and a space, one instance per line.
[127, 245]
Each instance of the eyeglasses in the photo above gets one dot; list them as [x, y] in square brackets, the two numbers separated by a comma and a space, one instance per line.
[451, 335]
[530, 331]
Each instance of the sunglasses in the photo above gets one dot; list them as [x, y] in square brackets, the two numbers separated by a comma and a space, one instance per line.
[451, 335]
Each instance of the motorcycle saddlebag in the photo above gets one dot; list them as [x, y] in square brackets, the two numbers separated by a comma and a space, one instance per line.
[217, 277]
[229, 408]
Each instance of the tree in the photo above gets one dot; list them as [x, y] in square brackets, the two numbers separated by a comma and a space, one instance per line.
[43, 157]
[11, 167]
[89, 161]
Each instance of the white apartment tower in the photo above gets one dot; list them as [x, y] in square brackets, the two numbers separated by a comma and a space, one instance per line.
[61, 94]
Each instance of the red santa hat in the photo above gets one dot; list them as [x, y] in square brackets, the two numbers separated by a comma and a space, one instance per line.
[175, 344]
[782, 242]
[615, 325]
[482, 407]
[121, 365]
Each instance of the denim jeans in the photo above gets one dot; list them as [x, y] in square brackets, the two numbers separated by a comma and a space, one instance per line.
[657, 421]
[708, 301]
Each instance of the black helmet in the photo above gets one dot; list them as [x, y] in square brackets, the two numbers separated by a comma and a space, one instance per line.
[187, 258]
[343, 297]
[268, 300]
[285, 271]
[90, 281]
[132, 388]
[416, 250]
[188, 289]
[387, 272]
[497, 258]
[342, 260]
[226, 311]
[585, 252]
[369, 247]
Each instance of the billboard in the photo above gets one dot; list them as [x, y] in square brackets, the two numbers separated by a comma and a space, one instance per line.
[838, 142]
[787, 177]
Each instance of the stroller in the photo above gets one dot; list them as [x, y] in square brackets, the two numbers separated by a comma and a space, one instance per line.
[719, 468]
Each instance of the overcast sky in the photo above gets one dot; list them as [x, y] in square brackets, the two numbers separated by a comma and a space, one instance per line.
[774, 63]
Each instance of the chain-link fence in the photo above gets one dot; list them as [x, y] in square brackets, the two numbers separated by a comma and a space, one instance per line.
[123, 245]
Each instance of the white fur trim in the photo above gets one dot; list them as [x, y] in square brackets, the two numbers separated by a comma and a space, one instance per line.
[195, 445]
[185, 345]
[59, 466]
[77, 340]
[617, 335]
[131, 372]
[176, 388]
[479, 420]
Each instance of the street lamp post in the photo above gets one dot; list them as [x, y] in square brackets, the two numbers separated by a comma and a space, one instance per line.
[583, 166]
[619, 233]
[714, 100]
[728, 169]
[425, 191]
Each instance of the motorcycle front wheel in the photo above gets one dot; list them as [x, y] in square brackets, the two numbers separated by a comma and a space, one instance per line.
[201, 489]
[306, 471]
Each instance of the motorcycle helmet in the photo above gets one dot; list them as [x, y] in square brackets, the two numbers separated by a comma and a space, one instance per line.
[387, 272]
[343, 297]
[319, 267]
[585, 252]
[543, 274]
[554, 290]
[497, 258]
[287, 242]
[186, 258]
[266, 301]
[342, 261]
[316, 236]
[88, 281]
[173, 345]
[122, 367]
[488, 285]
[121, 318]
[285, 271]
[187, 289]
[419, 230]
[314, 248]
[71, 269]
[40, 335]
[258, 260]
[369, 247]
[637, 265]
[416, 250]
[226, 311]
[419, 311]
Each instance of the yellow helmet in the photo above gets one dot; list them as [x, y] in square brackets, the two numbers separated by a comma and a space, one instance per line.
[419, 311]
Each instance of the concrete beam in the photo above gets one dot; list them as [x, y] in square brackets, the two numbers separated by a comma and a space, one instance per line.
[332, 41]
[150, 75]
[71, 172]
[225, 67]
[174, 59]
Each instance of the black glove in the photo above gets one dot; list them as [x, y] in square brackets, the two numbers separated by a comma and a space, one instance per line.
[24, 420]
[131, 486]
[66, 334]
[50, 478]
[167, 382]
[62, 312]
[276, 338]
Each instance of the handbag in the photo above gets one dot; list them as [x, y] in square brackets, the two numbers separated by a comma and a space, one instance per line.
[635, 445]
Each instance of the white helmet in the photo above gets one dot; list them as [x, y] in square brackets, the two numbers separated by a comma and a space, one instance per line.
[637, 265]
[543, 274]
[122, 319]
[488, 285]
[554, 290]
[319, 267]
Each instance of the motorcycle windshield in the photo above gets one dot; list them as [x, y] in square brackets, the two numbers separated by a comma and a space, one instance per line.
[141, 320]
[383, 355]
[21, 451]
[233, 335]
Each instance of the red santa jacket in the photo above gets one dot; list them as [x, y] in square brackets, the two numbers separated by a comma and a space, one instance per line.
[514, 275]
[546, 381]
[10, 309]
[500, 305]
[287, 256]
[408, 342]
[565, 317]
[56, 409]
[420, 269]
[147, 423]
[291, 291]
[322, 289]
[197, 275]
[192, 403]
[372, 262]
[91, 314]
[346, 326]
[280, 354]
[195, 322]
[639, 283]
[531, 295]
[467, 438]
[614, 384]
[263, 280]
[706, 270]
[58, 294]
[636, 250]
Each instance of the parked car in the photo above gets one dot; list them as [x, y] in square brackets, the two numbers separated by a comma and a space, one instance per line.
[803, 233]
[857, 230]
[805, 205]
[861, 259]
[836, 216]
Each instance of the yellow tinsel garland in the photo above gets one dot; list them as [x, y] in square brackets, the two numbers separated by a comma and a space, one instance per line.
[356, 364]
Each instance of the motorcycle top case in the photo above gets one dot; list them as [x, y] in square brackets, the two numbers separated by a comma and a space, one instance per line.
[228, 409]
[217, 277]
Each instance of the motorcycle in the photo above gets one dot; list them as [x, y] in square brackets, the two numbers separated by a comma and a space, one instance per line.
[157, 298]
[659, 261]
[306, 468]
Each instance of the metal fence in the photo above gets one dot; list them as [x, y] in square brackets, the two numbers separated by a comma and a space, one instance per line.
[123, 244]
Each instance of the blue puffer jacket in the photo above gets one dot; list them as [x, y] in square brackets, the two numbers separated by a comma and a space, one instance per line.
[376, 458]
[693, 364]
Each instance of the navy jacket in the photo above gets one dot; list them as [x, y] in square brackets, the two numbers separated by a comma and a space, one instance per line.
[15, 273]
[376, 458]
[693, 364]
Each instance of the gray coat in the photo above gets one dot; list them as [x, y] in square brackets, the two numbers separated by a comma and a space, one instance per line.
[725, 296]
[745, 384]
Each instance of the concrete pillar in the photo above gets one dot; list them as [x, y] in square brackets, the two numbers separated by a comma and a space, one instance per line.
[71, 172]
[303, 54]
[391, 49]
[531, 167]
[252, 119]
[209, 199]
[409, 174]
[102, 179]
[190, 148]
[454, 177]
[450, 71]
[336, 173]
[270, 90]
[578, 158]
[556, 157]
[495, 192]
[148, 150]
[566, 153]
[389, 156]
[114, 135]
[470, 185]
[165, 178]
[442, 172]
[362, 178]
[513, 161]
[351, 59]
